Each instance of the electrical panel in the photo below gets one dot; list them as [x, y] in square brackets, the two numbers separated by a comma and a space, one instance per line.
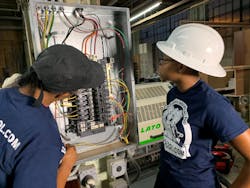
[96, 116]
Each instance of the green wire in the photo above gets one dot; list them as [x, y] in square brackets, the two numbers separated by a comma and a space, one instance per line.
[123, 35]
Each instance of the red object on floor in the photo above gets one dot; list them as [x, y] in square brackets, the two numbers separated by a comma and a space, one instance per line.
[223, 158]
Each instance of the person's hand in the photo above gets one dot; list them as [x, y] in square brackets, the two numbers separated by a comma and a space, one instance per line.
[70, 156]
[66, 165]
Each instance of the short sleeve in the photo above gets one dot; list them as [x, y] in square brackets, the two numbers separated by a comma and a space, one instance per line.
[38, 169]
[223, 120]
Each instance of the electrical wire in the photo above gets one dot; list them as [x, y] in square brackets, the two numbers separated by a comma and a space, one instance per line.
[72, 116]
[94, 35]
[86, 42]
[124, 133]
[67, 35]
[73, 97]
[76, 28]
[63, 21]
[70, 30]
[123, 115]
[68, 105]
[122, 84]
[119, 36]
[94, 32]
[123, 36]
[44, 29]
[51, 22]
[40, 23]
[72, 25]
[138, 170]
[96, 27]
[101, 29]
[95, 24]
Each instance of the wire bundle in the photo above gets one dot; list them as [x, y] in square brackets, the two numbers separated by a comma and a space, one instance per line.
[46, 26]
[90, 26]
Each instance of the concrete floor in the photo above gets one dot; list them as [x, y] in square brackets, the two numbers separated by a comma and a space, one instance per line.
[148, 177]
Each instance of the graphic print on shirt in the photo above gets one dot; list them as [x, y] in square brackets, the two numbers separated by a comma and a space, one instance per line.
[177, 130]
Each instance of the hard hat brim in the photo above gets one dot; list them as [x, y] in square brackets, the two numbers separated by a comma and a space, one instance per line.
[216, 70]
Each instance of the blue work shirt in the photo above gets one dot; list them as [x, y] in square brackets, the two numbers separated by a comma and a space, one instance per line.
[30, 145]
[193, 123]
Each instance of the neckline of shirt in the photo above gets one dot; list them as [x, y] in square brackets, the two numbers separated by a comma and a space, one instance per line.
[29, 99]
[191, 90]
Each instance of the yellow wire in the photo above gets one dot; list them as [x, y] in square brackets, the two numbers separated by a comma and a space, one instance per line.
[49, 23]
[121, 83]
[122, 110]
[125, 115]
[69, 113]
[45, 28]
[85, 143]
[72, 116]
[68, 105]
[70, 98]
[117, 103]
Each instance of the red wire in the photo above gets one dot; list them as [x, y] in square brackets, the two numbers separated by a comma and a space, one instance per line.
[119, 35]
[96, 31]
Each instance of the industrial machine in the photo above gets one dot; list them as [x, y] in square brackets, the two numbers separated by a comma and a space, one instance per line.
[150, 100]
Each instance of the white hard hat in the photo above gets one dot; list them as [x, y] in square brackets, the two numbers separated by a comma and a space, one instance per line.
[196, 46]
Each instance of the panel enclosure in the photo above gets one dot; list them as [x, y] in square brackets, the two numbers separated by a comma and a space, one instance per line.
[98, 117]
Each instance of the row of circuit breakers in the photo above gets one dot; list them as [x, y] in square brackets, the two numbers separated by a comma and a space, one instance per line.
[91, 108]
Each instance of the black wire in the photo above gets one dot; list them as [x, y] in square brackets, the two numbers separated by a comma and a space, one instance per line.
[54, 39]
[102, 46]
[67, 35]
[70, 30]
[137, 167]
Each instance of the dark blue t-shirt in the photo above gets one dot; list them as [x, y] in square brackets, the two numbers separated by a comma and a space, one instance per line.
[30, 144]
[193, 122]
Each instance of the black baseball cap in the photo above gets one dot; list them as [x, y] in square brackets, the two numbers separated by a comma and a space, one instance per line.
[63, 68]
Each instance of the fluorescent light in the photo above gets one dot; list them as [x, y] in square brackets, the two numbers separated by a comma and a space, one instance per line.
[154, 6]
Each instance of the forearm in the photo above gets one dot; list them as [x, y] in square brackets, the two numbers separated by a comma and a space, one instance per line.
[63, 174]
[243, 180]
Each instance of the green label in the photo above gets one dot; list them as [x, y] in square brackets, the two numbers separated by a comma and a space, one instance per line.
[151, 140]
[150, 128]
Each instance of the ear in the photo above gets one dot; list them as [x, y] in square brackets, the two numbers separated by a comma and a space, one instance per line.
[181, 68]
